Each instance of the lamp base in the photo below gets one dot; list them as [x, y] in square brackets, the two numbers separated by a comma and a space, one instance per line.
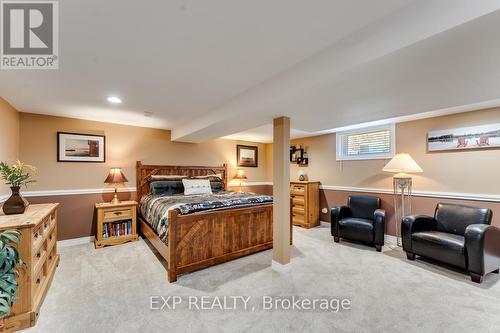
[115, 200]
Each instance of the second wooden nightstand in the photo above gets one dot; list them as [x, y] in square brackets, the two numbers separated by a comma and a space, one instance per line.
[305, 203]
[116, 223]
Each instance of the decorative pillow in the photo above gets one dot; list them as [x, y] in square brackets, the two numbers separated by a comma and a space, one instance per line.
[166, 187]
[154, 178]
[215, 177]
[217, 186]
[196, 186]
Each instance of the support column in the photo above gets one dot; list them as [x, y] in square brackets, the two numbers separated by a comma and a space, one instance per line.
[281, 192]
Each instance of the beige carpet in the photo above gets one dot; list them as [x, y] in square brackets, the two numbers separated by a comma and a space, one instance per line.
[109, 290]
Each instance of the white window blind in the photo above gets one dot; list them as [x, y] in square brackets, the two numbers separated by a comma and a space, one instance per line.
[372, 143]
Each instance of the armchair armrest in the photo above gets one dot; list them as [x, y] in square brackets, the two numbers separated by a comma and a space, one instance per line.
[379, 226]
[482, 243]
[338, 213]
[415, 223]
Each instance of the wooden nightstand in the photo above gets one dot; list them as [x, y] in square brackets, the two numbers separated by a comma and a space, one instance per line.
[116, 223]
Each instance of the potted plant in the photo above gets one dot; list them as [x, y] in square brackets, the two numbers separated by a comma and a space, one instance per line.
[16, 176]
[9, 259]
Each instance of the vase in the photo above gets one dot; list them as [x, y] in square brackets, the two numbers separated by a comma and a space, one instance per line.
[16, 204]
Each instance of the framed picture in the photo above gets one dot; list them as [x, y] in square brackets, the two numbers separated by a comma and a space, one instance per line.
[73, 147]
[466, 138]
[247, 156]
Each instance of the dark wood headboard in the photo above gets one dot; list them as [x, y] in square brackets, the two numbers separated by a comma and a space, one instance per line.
[144, 172]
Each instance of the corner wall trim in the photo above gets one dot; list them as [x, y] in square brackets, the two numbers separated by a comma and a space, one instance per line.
[430, 194]
[75, 192]
[75, 241]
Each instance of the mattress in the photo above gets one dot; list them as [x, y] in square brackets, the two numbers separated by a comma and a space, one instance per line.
[154, 208]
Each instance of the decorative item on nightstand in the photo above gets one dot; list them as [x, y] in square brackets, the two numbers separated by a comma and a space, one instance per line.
[401, 165]
[115, 176]
[116, 223]
[240, 176]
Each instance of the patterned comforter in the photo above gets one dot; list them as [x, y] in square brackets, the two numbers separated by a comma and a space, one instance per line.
[155, 208]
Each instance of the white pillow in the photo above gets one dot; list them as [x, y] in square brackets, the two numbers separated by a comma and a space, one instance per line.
[196, 186]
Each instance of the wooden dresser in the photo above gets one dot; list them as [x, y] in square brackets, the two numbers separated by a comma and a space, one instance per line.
[38, 249]
[305, 203]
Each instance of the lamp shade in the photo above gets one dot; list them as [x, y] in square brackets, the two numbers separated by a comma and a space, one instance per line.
[115, 176]
[402, 163]
[240, 174]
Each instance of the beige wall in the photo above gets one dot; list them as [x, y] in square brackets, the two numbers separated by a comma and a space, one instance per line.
[474, 172]
[124, 146]
[9, 137]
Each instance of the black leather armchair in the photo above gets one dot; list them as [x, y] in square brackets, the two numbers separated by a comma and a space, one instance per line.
[457, 235]
[362, 220]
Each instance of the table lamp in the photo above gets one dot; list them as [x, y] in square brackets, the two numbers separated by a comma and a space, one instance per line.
[240, 175]
[402, 183]
[115, 176]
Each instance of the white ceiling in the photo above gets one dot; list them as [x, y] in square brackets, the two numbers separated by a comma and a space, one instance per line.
[208, 69]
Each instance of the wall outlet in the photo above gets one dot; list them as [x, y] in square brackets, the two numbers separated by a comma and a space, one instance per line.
[324, 210]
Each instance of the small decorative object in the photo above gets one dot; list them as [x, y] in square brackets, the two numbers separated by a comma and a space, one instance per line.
[115, 177]
[247, 156]
[302, 175]
[10, 259]
[16, 176]
[72, 147]
[476, 137]
[401, 165]
[240, 176]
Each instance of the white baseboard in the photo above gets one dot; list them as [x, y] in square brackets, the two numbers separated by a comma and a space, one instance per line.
[276, 266]
[75, 241]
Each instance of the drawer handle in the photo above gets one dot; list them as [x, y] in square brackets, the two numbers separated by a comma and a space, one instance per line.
[50, 237]
[38, 281]
[38, 254]
[117, 213]
[45, 226]
[50, 257]
[36, 235]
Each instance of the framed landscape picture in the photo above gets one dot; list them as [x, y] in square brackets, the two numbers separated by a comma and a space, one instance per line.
[247, 156]
[475, 137]
[73, 147]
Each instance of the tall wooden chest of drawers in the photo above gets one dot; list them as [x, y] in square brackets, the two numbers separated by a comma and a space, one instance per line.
[38, 249]
[305, 203]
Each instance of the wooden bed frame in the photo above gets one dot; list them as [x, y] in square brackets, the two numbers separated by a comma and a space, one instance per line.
[204, 239]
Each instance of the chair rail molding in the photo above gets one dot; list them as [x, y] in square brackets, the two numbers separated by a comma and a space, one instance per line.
[430, 194]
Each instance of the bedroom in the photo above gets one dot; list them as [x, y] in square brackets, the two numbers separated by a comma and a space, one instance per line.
[277, 140]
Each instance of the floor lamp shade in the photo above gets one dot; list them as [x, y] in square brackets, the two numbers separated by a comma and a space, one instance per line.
[402, 183]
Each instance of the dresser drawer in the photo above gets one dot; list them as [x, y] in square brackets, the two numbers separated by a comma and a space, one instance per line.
[117, 214]
[38, 280]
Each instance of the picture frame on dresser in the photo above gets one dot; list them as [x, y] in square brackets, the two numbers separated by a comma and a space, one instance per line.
[77, 147]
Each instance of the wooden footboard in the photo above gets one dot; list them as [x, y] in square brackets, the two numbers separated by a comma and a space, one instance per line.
[205, 239]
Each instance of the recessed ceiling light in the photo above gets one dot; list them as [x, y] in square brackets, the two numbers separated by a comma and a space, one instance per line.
[114, 100]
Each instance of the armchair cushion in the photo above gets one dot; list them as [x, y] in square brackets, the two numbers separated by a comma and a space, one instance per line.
[356, 229]
[446, 247]
[363, 206]
[455, 218]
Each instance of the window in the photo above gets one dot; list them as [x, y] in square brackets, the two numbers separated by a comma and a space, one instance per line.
[367, 143]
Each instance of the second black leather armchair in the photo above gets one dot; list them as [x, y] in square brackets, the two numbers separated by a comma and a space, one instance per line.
[457, 235]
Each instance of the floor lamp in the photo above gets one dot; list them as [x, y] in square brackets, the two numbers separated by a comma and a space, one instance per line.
[402, 183]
